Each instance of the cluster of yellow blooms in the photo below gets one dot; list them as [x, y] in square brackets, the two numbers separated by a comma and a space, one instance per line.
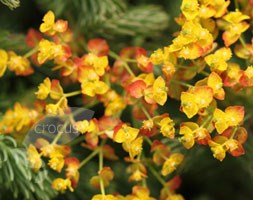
[193, 52]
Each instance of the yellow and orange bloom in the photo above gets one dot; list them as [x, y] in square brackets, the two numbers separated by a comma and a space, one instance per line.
[50, 27]
[44, 89]
[62, 185]
[48, 50]
[138, 172]
[247, 78]
[233, 75]
[56, 161]
[160, 91]
[233, 116]
[235, 27]
[190, 9]
[218, 60]
[167, 127]
[215, 82]
[171, 164]
[125, 133]
[195, 99]
[92, 88]
[193, 133]
[34, 158]
[192, 42]
[134, 147]
[72, 170]
[221, 144]
[18, 64]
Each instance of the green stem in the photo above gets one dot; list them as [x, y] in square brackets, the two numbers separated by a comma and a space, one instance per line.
[144, 110]
[208, 120]
[204, 73]
[236, 4]
[101, 182]
[148, 140]
[157, 175]
[181, 83]
[233, 134]
[65, 124]
[60, 133]
[31, 52]
[73, 93]
[243, 42]
[88, 158]
[126, 66]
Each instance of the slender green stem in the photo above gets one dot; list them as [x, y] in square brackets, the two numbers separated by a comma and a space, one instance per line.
[148, 140]
[144, 110]
[73, 93]
[31, 52]
[101, 182]
[128, 69]
[76, 141]
[236, 4]
[181, 83]
[157, 175]
[208, 120]
[243, 42]
[60, 133]
[126, 66]
[234, 131]
[204, 73]
[88, 158]
[144, 182]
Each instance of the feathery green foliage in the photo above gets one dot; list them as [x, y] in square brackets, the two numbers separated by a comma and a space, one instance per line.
[17, 180]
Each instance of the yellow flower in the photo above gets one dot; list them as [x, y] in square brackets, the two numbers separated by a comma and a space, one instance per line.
[160, 91]
[172, 163]
[196, 98]
[115, 107]
[188, 136]
[48, 50]
[232, 116]
[44, 89]
[135, 147]
[235, 27]
[189, 107]
[82, 126]
[20, 65]
[190, 9]
[45, 51]
[157, 57]
[62, 185]
[218, 60]
[167, 127]
[49, 26]
[215, 82]
[91, 88]
[192, 42]
[56, 161]
[98, 63]
[34, 158]
[3, 61]
[218, 148]
[125, 134]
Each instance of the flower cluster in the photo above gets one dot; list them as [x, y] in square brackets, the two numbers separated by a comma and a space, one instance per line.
[192, 70]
